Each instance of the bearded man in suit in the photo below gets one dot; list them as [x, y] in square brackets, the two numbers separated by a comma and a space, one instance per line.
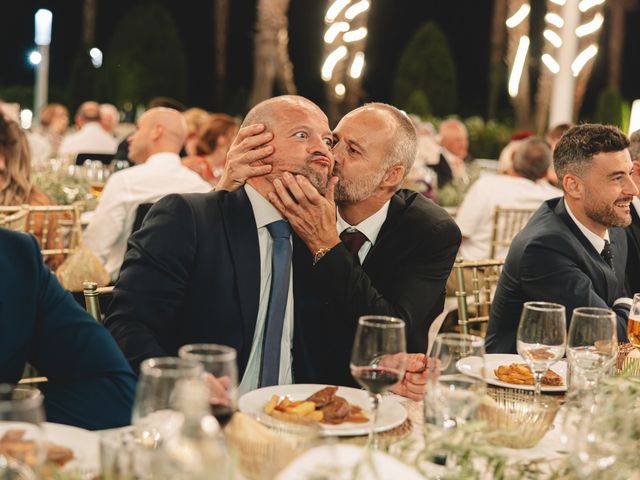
[572, 251]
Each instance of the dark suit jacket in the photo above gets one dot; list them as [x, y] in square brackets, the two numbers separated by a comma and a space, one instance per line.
[633, 253]
[192, 275]
[90, 384]
[551, 260]
[443, 170]
[404, 275]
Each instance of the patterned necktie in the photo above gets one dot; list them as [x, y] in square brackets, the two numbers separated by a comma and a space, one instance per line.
[607, 253]
[280, 273]
[353, 241]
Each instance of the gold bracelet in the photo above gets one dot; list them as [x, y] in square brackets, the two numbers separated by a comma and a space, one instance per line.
[319, 254]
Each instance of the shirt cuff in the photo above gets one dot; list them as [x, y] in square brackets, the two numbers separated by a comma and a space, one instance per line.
[623, 301]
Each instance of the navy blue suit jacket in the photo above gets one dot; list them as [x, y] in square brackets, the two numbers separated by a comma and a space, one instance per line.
[551, 260]
[90, 383]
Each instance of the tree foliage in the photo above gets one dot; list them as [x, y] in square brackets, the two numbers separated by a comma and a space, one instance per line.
[145, 58]
[427, 66]
[611, 108]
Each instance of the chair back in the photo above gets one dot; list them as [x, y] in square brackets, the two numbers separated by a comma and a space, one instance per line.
[14, 218]
[56, 227]
[507, 222]
[92, 296]
[105, 158]
[476, 286]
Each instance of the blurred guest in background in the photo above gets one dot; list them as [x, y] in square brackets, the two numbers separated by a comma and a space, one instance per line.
[572, 251]
[154, 148]
[633, 230]
[89, 383]
[197, 120]
[16, 187]
[505, 160]
[454, 141]
[211, 146]
[91, 137]
[109, 118]
[552, 137]
[54, 119]
[524, 186]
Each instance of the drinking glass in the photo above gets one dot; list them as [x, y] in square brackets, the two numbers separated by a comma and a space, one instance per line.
[21, 414]
[541, 339]
[592, 344]
[153, 418]
[116, 165]
[221, 375]
[633, 324]
[378, 359]
[454, 394]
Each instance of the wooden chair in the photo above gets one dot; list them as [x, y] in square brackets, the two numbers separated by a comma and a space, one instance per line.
[14, 218]
[92, 295]
[476, 286]
[56, 227]
[507, 222]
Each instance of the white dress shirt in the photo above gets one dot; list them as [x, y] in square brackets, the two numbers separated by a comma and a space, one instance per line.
[598, 243]
[370, 227]
[264, 214]
[475, 216]
[91, 138]
[111, 223]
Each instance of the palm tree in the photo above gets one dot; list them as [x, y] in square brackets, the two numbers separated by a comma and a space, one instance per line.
[221, 22]
[617, 10]
[272, 65]
[89, 10]
[496, 55]
[521, 102]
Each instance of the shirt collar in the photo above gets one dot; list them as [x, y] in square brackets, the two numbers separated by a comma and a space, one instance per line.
[636, 204]
[163, 158]
[370, 226]
[597, 241]
[263, 211]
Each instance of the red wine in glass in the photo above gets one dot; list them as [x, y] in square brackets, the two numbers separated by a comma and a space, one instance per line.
[375, 379]
[222, 413]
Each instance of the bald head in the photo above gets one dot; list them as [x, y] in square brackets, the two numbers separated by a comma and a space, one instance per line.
[454, 137]
[87, 112]
[160, 129]
[268, 110]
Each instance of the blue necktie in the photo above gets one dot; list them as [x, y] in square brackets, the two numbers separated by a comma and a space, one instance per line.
[280, 273]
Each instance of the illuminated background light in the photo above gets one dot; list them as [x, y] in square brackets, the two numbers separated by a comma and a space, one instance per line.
[518, 17]
[357, 65]
[553, 38]
[550, 63]
[590, 27]
[35, 58]
[334, 9]
[332, 59]
[334, 30]
[518, 66]
[582, 59]
[340, 90]
[355, 35]
[356, 9]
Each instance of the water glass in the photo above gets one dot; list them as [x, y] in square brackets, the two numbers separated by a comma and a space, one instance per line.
[453, 396]
[21, 415]
[221, 375]
[541, 338]
[592, 345]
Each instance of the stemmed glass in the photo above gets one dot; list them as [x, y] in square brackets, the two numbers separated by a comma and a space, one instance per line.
[152, 417]
[541, 339]
[455, 388]
[633, 324]
[592, 344]
[378, 359]
[221, 375]
[21, 414]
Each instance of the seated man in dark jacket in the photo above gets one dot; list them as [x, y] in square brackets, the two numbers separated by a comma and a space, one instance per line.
[90, 384]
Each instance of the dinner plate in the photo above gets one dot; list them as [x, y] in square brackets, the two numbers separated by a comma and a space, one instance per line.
[85, 445]
[391, 413]
[471, 366]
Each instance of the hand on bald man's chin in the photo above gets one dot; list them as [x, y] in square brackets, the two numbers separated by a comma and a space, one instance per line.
[311, 215]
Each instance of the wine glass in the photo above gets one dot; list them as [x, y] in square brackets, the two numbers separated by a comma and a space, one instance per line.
[118, 164]
[633, 324]
[221, 375]
[592, 344]
[455, 387]
[21, 415]
[152, 417]
[378, 359]
[541, 339]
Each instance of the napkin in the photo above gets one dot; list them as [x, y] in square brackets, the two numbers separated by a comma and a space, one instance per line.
[339, 461]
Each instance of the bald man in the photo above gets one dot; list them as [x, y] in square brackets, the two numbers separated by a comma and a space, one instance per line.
[91, 137]
[454, 142]
[220, 267]
[154, 147]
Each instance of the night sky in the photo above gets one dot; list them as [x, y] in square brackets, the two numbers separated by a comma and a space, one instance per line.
[466, 23]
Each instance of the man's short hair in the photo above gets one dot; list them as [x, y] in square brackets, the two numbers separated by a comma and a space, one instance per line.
[532, 158]
[575, 150]
[555, 133]
[403, 148]
[634, 145]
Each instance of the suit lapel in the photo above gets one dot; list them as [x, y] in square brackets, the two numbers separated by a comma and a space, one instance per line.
[245, 252]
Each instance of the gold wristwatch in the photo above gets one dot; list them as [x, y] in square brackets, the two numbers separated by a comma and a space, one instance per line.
[319, 254]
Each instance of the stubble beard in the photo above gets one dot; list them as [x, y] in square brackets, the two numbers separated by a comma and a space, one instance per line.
[605, 215]
[350, 191]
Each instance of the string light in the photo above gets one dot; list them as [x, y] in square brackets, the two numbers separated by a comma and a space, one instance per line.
[334, 30]
[585, 5]
[334, 10]
[582, 59]
[357, 65]
[554, 19]
[551, 63]
[518, 17]
[340, 90]
[590, 27]
[553, 37]
[355, 35]
[518, 66]
[330, 63]
[356, 9]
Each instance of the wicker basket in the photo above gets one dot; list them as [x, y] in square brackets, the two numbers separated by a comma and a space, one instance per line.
[516, 419]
